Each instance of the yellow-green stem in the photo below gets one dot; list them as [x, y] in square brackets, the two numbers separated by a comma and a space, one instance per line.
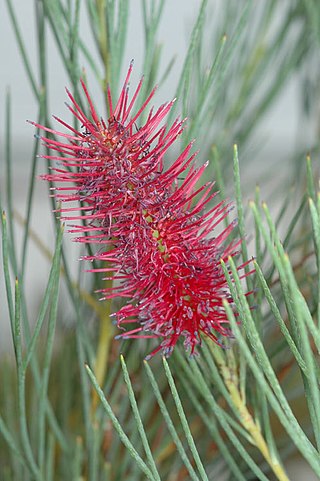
[105, 336]
[230, 378]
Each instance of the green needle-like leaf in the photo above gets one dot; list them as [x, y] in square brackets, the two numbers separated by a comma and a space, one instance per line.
[169, 423]
[184, 422]
[138, 420]
[124, 438]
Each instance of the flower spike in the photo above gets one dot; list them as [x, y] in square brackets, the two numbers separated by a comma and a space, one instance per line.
[154, 239]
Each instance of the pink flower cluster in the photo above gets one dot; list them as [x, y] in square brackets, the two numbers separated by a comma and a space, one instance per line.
[154, 235]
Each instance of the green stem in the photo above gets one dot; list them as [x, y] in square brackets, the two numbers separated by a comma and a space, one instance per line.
[230, 377]
[105, 336]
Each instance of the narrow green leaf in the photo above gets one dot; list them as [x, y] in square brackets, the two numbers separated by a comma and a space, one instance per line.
[239, 201]
[278, 317]
[124, 438]
[9, 183]
[50, 458]
[120, 41]
[5, 261]
[274, 247]
[214, 376]
[29, 202]
[293, 223]
[187, 66]
[315, 218]
[77, 460]
[138, 420]
[216, 160]
[49, 295]
[74, 33]
[184, 422]
[222, 419]
[167, 71]
[96, 444]
[25, 438]
[85, 386]
[270, 440]
[48, 348]
[7, 436]
[286, 273]
[151, 22]
[311, 380]
[206, 87]
[284, 412]
[310, 180]
[169, 423]
[211, 425]
[21, 45]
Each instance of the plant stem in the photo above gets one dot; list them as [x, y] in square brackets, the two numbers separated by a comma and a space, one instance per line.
[105, 333]
[230, 377]
[105, 336]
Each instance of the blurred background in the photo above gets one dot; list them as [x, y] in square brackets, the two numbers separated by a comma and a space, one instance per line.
[282, 133]
[269, 82]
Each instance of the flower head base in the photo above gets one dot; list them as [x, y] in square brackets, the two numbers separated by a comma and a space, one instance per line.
[154, 235]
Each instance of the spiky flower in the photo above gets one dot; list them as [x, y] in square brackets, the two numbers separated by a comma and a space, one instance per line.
[155, 238]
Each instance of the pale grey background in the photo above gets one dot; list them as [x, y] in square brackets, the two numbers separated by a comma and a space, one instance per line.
[277, 133]
[276, 137]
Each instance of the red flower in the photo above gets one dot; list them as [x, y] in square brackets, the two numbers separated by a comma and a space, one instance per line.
[158, 238]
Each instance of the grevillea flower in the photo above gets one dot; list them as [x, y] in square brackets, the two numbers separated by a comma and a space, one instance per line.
[150, 228]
